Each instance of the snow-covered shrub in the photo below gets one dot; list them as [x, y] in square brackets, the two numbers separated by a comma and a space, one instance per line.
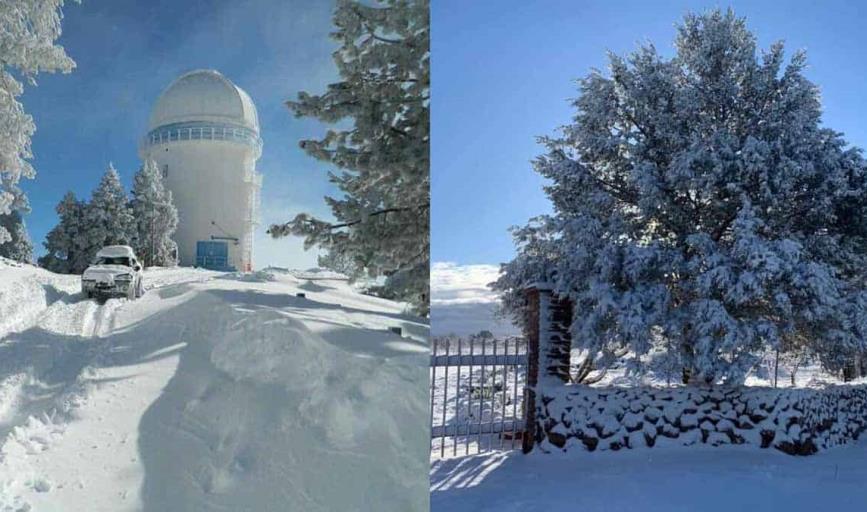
[18, 247]
[702, 214]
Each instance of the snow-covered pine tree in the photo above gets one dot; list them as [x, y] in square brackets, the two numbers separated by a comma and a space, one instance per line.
[108, 216]
[382, 221]
[28, 31]
[156, 217]
[337, 262]
[18, 248]
[66, 245]
[702, 214]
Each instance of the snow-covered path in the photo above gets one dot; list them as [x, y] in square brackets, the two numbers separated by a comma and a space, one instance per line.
[683, 479]
[212, 392]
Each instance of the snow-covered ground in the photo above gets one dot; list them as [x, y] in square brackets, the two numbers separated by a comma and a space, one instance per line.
[212, 392]
[664, 478]
[698, 478]
[469, 318]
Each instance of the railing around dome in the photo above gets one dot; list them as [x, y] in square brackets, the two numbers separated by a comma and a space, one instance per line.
[202, 131]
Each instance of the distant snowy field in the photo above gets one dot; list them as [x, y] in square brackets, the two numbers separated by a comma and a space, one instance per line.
[698, 478]
[212, 392]
[462, 304]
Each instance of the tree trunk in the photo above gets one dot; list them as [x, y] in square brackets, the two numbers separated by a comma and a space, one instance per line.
[849, 371]
[776, 366]
[584, 370]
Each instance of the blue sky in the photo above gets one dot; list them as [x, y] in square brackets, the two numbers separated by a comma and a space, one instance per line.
[503, 73]
[128, 51]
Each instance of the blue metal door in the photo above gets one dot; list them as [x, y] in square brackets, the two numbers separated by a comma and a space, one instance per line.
[212, 255]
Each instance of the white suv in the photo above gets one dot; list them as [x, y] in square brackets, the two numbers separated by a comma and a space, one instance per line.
[116, 272]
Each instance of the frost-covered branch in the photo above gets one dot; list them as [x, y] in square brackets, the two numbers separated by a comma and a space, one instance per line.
[303, 224]
[29, 30]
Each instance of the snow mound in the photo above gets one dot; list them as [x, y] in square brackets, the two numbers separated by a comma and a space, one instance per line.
[27, 291]
[267, 414]
[318, 273]
[259, 276]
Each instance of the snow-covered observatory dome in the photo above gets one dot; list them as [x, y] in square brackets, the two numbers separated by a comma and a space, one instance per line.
[204, 95]
[203, 133]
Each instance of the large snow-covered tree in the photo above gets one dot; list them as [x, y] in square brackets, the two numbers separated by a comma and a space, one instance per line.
[702, 214]
[381, 226]
[156, 217]
[18, 247]
[28, 31]
[109, 215]
[66, 245]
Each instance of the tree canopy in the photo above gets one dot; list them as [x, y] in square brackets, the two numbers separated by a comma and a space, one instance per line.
[702, 213]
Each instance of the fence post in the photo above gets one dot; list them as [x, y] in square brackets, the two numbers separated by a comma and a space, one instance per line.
[549, 346]
[531, 326]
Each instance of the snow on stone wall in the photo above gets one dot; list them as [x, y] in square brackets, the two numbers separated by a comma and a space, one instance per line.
[795, 421]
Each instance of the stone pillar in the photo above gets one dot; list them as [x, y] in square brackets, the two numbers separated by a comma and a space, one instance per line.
[549, 344]
[531, 327]
[555, 339]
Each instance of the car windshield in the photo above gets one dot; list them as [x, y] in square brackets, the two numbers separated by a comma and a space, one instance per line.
[120, 260]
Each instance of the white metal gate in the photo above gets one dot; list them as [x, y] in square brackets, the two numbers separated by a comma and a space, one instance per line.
[477, 394]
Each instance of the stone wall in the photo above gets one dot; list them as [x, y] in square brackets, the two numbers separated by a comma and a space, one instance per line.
[796, 421]
[555, 338]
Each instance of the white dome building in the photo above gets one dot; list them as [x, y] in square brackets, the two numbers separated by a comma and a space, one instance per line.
[204, 136]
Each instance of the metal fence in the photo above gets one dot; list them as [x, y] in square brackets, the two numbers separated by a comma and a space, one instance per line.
[477, 394]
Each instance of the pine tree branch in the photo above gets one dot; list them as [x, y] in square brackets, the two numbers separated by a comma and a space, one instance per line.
[384, 39]
[366, 22]
[378, 212]
[332, 227]
[723, 226]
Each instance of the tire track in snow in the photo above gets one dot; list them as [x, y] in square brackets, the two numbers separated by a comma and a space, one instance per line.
[103, 317]
[71, 332]
[32, 423]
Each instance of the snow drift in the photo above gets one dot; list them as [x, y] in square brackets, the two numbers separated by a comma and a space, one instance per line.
[212, 392]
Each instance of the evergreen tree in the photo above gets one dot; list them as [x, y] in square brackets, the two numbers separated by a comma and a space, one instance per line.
[18, 248]
[156, 217]
[702, 215]
[108, 216]
[337, 262]
[382, 221]
[28, 31]
[67, 246]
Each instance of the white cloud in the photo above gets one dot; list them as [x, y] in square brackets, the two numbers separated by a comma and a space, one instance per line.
[451, 283]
